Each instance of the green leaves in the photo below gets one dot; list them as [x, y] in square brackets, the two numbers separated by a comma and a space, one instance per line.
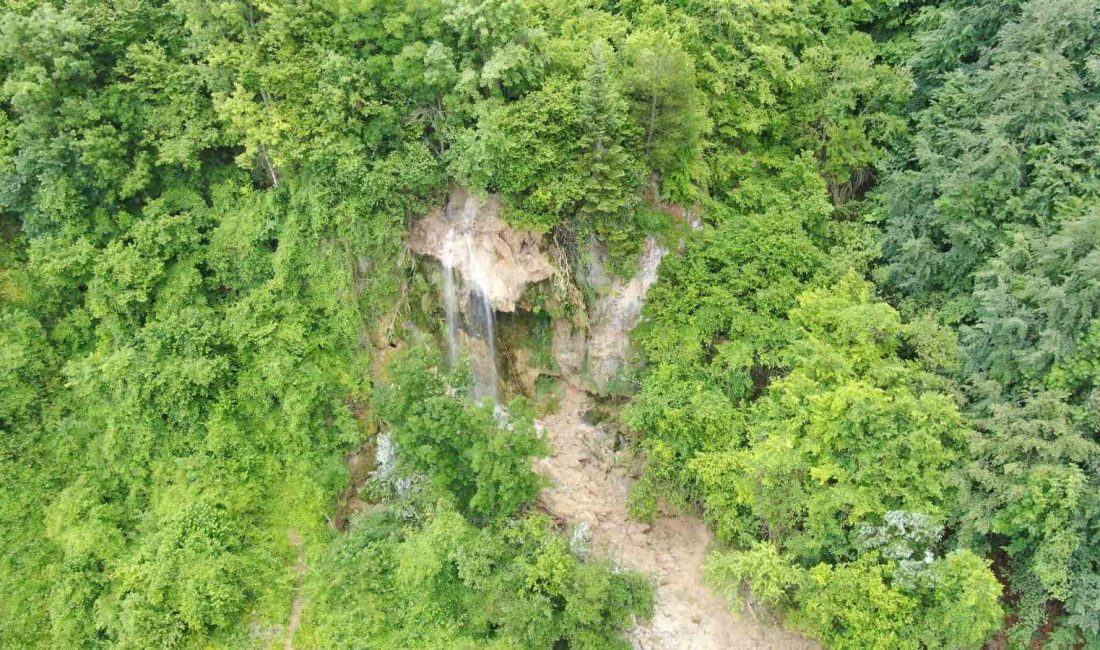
[483, 462]
[1036, 300]
[213, 199]
[26, 361]
[660, 76]
[514, 584]
[734, 285]
[841, 439]
[833, 478]
[990, 217]
[853, 605]
[772, 578]
[1027, 491]
[954, 602]
[717, 322]
[1001, 147]
[527, 151]
[190, 568]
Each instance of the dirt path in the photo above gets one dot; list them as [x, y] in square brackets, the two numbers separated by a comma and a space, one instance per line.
[588, 487]
[299, 602]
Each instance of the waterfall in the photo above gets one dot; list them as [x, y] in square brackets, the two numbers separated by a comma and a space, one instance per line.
[480, 315]
[450, 297]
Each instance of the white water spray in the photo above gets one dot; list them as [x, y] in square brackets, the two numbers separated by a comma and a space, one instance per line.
[480, 315]
[450, 297]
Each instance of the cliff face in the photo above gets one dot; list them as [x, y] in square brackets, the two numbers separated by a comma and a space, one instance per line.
[597, 353]
[500, 262]
[617, 311]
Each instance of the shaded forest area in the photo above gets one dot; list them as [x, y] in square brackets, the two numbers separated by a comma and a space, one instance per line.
[873, 365]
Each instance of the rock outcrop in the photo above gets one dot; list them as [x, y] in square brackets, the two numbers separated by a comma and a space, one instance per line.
[569, 345]
[616, 313]
[600, 352]
[502, 261]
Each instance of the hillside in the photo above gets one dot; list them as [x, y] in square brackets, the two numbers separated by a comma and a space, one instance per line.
[648, 324]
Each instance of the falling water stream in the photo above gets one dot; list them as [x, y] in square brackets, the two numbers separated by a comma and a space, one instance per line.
[480, 316]
[450, 297]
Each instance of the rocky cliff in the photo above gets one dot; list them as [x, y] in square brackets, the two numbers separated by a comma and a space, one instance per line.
[502, 262]
[503, 259]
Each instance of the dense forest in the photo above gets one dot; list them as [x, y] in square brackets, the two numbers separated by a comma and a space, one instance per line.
[869, 361]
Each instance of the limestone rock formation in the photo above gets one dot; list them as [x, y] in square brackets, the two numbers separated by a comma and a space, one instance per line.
[501, 262]
[469, 236]
[568, 345]
[616, 312]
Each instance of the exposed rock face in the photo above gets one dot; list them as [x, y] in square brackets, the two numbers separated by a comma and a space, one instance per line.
[598, 353]
[568, 345]
[502, 261]
[499, 261]
[616, 312]
[525, 372]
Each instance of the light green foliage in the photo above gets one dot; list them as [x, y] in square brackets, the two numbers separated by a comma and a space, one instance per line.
[660, 75]
[642, 502]
[181, 339]
[680, 417]
[483, 462]
[449, 584]
[190, 573]
[771, 577]
[843, 438]
[833, 479]
[179, 379]
[852, 606]
[527, 150]
[862, 604]
[717, 318]
[203, 210]
[789, 77]
[960, 602]
[729, 293]
[25, 363]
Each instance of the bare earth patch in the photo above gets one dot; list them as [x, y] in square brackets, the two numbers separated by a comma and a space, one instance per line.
[589, 487]
[299, 603]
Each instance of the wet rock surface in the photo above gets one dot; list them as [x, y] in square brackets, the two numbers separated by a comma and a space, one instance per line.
[502, 262]
[616, 312]
[505, 260]
[568, 345]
